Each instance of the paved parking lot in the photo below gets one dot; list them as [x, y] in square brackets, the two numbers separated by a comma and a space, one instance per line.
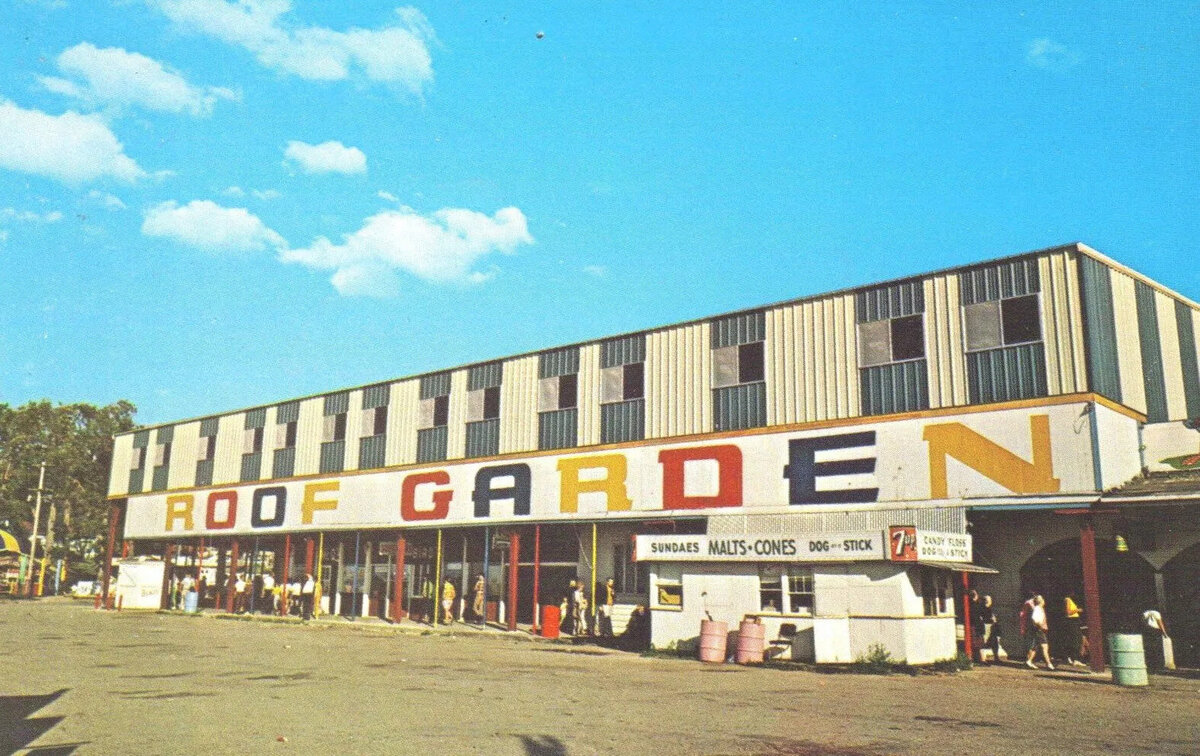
[80, 681]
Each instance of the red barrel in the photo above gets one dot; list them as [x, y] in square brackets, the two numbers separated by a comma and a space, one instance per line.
[713, 635]
[751, 641]
[550, 620]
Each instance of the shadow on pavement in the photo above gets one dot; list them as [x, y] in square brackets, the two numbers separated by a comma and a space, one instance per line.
[543, 745]
[18, 728]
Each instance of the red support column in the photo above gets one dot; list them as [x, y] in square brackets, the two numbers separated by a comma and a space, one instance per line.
[514, 559]
[168, 568]
[126, 549]
[968, 641]
[114, 511]
[287, 562]
[1091, 592]
[309, 547]
[232, 576]
[199, 563]
[537, 569]
[398, 583]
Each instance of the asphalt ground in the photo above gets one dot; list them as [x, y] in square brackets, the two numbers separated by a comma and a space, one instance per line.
[76, 680]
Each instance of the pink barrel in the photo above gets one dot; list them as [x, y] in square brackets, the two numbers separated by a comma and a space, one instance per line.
[712, 641]
[751, 641]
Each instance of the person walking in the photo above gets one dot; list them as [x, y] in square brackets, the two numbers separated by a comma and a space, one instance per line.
[975, 607]
[1038, 627]
[477, 607]
[607, 596]
[448, 595]
[992, 623]
[1071, 631]
[1154, 635]
[308, 590]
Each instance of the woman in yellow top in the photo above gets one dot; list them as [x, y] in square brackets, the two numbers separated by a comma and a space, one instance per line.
[1071, 631]
[448, 595]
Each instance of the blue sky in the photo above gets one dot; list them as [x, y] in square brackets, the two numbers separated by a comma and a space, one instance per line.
[206, 205]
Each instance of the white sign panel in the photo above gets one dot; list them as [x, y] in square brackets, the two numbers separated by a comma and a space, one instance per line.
[823, 547]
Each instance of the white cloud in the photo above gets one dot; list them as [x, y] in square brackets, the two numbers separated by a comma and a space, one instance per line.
[28, 216]
[395, 53]
[107, 200]
[3, 235]
[327, 157]
[206, 225]
[265, 194]
[388, 196]
[114, 76]
[443, 247]
[599, 271]
[71, 148]
[1046, 53]
[234, 191]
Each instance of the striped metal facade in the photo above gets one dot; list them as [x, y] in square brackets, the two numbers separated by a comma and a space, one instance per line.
[812, 374]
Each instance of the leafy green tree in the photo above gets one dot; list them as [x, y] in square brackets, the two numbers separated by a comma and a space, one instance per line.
[75, 442]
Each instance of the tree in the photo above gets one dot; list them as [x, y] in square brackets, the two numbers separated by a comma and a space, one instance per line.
[75, 441]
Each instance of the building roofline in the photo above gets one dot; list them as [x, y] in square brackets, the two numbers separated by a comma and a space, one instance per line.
[1078, 247]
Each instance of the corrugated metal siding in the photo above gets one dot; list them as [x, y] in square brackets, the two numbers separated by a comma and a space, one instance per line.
[740, 407]
[118, 474]
[283, 463]
[288, 412]
[371, 451]
[812, 361]
[402, 423]
[431, 444]
[558, 362]
[256, 418]
[589, 395]
[308, 436]
[354, 430]
[678, 381]
[1062, 325]
[1100, 329]
[251, 467]
[159, 480]
[269, 423]
[518, 405]
[376, 396]
[943, 519]
[483, 438]
[141, 439]
[336, 404]
[898, 387]
[204, 472]
[1013, 278]
[209, 426]
[745, 328]
[886, 302]
[1168, 339]
[227, 463]
[623, 351]
[485, 376]
[333, 456]
[946, 361]
[435, 384]
[557, 430]
[1129, 343]
[1189, 359]
[1152, 356]
[136, 477]
[184, 449]
[456, 430]
[165, 434]
[1000, 375]
[623, 421]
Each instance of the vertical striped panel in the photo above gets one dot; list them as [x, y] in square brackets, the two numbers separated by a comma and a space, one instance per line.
[1000, 375]
[483, 438]
[204, 472]
[1011, 278]
[812, 356]
[376, 396]
[623, 351]
[354, 429]
[1129, 343]
[783, 378]
[268, 459]
[623, 421]
[1189, 359]
[740, 407]
[886, 302]
[557, 362]
[184, 449]
[589, 395]
[484, 376]
[227, 462]
[159, 479]
[288, 412]
[336, 404]
[435, 384]
[164, 435]
[283, 463]
[371, 451]
[898, 387]
[136, 479]
[402, 423]
[141, 439]
[333, 456]
[1152, 353]
[456, 428]
[256, 418]
[1062, 327]
[308, 435]
[1168, 340]
[678, 381]
[431, 444]
[744, 328]
[558, 429]
[251, 467]
[944, 343]
[1100, 329]
[122, 456]
[209, 426]
[518, 405]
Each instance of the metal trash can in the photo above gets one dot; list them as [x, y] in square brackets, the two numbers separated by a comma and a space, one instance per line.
[1128, 660]
[191, 602]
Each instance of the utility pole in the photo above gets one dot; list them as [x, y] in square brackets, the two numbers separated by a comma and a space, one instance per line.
[37, 515]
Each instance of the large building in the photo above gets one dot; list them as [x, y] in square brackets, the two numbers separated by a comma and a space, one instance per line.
[838, 466]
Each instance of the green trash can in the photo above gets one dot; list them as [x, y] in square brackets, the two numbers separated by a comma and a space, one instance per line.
[1128, 660]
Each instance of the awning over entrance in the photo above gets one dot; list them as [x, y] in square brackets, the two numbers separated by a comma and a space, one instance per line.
[8, 542]
[963, 567]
